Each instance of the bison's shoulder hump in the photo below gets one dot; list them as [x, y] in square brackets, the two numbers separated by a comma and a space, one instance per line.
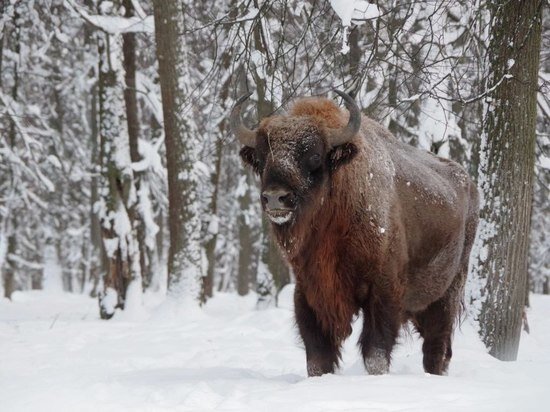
[324, 110]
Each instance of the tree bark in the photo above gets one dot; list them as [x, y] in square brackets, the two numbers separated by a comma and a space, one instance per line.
[210, 246]
[10, 266]
[506, 172]
[98, 258]
[247, 269]
[117, 191]
[133, 122]
[186, 252]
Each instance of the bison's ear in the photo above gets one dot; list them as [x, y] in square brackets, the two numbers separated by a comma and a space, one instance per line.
[341, 155]
[248, 154]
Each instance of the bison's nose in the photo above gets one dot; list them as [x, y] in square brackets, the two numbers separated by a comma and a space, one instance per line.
[276, 199]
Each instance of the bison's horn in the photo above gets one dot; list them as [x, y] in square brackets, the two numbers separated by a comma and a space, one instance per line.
[246, 136]
[336, 137]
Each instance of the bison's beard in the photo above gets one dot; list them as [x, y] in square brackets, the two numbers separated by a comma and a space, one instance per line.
[294, 230]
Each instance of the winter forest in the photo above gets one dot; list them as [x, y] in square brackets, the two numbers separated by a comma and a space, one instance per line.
[128, 219]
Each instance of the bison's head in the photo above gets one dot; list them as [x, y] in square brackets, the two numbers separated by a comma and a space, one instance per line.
[295, 156]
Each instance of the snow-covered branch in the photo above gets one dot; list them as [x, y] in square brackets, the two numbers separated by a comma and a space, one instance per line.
[115, 24]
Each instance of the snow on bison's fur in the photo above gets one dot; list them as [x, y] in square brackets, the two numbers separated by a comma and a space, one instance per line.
[367, 223]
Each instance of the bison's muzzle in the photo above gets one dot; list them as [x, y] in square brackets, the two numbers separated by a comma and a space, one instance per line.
[278, 204]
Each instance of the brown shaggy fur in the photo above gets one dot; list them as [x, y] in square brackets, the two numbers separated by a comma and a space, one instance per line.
[323, 111]
[380, 227]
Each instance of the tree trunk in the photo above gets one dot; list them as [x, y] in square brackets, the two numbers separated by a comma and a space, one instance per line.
[98, 258]
[247, 268]
[210, 246]
[353, 79]
[117, 191]
[185, 256]
[9, 265]
[226, 60]
[132, 118]
[9, 269]
[506, 172]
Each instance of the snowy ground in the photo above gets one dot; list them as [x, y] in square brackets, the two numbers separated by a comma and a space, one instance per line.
[55, 354]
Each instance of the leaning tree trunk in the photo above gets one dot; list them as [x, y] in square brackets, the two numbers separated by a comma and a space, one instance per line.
[117, 190]
[186, 252]
[506, 172]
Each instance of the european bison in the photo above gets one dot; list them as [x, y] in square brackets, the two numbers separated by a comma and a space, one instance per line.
[367, 223]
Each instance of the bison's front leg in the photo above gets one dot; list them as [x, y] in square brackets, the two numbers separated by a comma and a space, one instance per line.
[322, 353]
[381, 323]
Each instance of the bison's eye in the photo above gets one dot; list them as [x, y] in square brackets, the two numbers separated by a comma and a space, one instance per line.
[314, 161]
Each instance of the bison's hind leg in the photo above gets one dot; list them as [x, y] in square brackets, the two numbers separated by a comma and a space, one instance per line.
[436, 324]
[435, 327]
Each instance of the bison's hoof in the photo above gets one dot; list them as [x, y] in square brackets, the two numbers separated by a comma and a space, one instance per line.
[377, 362]
[316, 369]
